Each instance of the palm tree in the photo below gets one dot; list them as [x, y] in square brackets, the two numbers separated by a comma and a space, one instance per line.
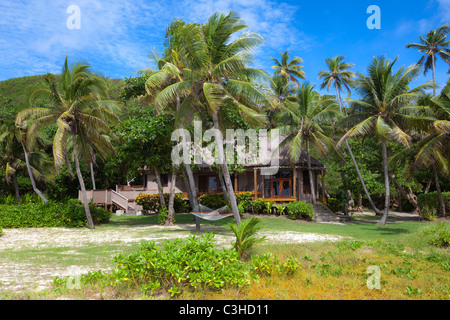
[289, 70]
[433, 149]
[339, 76]
[76, 101]
[307, 122]
[216, 76]
[12, 149]
[435, 44]
[383, 110]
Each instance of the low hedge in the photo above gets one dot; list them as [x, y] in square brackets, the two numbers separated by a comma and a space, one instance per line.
[50, 214]
[429, 203]
[150, 202]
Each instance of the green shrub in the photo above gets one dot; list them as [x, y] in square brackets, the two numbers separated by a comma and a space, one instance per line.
[439, 234]
[50, 214]
[258, 206]
[150, 202]
[431, 201]
[244, 201]
[212, 200]
[335, 205]
[25, 198]
[300, 209]
[195, 263]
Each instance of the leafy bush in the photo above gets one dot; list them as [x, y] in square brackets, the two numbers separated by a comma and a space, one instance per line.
[50, 214]
[334, 205]
[212, 200]
[440, 234]
[150, 202]
[244, 201]
[25, 198]
[259, 205]
[300, 209]
[268, 264]
[193, 263]
[429, 202]
[245, 233]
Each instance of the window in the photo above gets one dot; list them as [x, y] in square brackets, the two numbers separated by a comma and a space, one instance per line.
[209, 183]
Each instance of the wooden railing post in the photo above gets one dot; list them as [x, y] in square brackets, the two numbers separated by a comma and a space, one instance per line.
[255, 181]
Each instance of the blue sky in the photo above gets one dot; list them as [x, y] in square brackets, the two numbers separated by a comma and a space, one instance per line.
[115, 37]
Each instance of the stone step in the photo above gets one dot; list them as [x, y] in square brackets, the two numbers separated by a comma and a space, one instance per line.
[323, 214]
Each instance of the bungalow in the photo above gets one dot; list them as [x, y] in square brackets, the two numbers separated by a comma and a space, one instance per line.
[290, 183]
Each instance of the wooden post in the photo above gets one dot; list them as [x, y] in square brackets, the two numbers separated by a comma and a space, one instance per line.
[236, 182]
[323, 185]
[300, 184]
[255, 181]
[294, 188]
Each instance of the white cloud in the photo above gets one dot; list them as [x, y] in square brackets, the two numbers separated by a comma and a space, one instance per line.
[34, 37]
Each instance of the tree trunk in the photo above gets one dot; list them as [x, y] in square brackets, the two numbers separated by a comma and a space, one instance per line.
[387, 198]
[81, 181]
[193, 194]
[409, 195]
[224, 188]
[16, 188]
[427, 188]
[170, 207]
[162, 202]
[372, 204]
[439, 192]
[434, 74]
[92, 175]
[30, 173]
[311, 180]
[226, 174]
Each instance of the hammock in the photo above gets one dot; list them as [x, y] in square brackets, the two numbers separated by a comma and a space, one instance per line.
[212, 215]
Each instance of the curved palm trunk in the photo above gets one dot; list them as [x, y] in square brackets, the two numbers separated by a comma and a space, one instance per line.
[81, 181]
[16, 188]
[311, 180]
[92, 175]
[226, 175]
[30, 173]
[193, 194]
[171, 209]
[387, 198]
[439, 192]
[372, 204]
[162, 202]
[436, 177]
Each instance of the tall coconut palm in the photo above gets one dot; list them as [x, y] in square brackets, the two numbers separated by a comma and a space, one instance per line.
[339, 76]
[217, 76]
[434, 149]
[76, 101]
[306, 123]
[383, 110]
[289, 70]
[435, 44]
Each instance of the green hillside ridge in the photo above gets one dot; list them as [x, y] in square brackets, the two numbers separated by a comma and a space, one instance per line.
[14, 93]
